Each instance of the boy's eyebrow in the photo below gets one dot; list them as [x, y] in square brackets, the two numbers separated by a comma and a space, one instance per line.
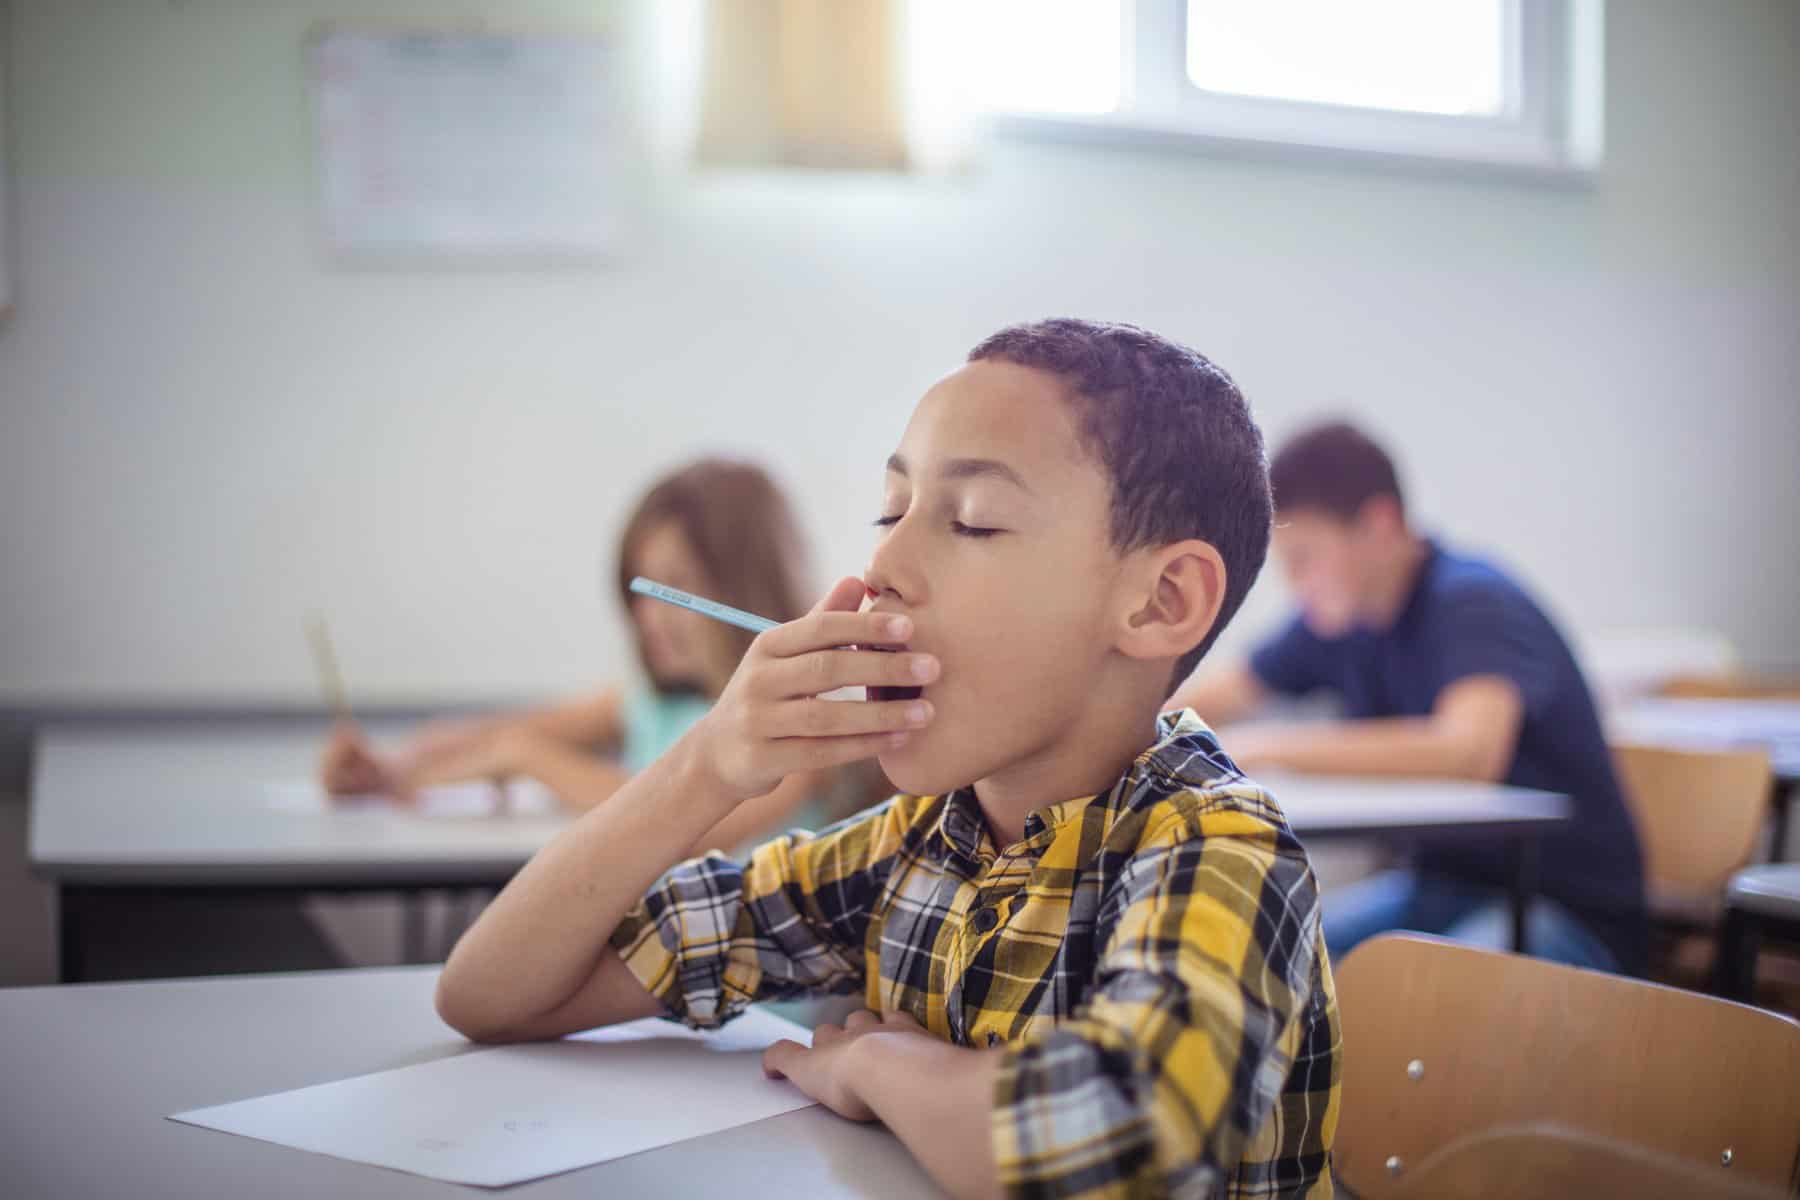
[966, 468]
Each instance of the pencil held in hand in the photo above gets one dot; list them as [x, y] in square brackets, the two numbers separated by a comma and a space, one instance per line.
[331, 680]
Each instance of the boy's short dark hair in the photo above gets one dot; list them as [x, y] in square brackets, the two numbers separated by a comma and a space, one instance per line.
[1174, 436]
[1335, 469]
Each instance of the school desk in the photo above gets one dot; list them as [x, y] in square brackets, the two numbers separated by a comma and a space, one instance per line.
[92, 1071]
[124, 811]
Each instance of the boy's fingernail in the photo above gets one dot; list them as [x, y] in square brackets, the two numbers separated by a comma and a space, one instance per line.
[924, 667]
[899, 627]
[918, 714]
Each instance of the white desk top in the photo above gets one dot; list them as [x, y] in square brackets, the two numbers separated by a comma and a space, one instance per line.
[92, 1071]
[1337, 806]
[146, 804]
[160, 804]
[1773, 725]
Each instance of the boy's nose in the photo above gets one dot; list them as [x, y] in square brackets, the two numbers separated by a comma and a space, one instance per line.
[888, 574]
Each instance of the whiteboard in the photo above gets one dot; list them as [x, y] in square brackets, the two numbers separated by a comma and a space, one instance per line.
[465, 145]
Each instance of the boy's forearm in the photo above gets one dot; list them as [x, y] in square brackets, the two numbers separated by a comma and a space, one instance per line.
[542, 938]
[936, 1098]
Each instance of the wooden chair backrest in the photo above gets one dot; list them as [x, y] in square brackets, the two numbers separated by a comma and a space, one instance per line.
[1521, 1061]
[1698, 813]
[1730, 687]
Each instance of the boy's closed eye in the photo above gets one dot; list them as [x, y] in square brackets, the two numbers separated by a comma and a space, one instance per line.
[956, 527]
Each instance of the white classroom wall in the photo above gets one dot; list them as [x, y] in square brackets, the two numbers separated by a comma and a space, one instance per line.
[207, 431]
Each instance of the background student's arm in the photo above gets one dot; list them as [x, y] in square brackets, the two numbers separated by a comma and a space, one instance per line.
[448, 751]
[540, 960]
[578, 777]
[1221, 695]
[1472, 733]
[582, 781]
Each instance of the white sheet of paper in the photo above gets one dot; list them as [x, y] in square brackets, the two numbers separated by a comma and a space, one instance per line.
[513, 1113]
[524, 797]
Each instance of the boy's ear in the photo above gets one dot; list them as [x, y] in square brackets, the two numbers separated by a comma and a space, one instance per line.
[1176, 593]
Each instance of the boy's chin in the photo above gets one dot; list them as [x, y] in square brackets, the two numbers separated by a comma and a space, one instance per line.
[917, 774]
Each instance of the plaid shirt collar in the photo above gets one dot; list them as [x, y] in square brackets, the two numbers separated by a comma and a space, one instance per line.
[1185, 753]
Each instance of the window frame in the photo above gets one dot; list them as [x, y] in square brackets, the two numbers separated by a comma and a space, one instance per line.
[1553, 131]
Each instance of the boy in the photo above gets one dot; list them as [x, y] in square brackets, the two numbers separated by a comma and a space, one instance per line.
[1446, 667]
[1088, 945]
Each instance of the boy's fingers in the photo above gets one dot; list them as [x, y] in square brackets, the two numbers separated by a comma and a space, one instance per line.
[846, 595]
[817, 754]
[832, 718]
[827, 670]
[825, 630]
[777, 1057]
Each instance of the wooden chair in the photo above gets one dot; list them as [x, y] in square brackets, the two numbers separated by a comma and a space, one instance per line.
[1472, 1073]
[1730, 687]
[1698, 814]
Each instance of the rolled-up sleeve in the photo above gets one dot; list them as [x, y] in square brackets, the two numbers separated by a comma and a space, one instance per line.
[1183, 1053]
[715, 935]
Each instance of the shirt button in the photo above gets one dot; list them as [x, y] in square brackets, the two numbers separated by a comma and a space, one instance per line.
[985, 920]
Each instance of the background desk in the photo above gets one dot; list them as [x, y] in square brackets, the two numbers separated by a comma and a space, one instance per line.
[1411, 812]
[124, 810]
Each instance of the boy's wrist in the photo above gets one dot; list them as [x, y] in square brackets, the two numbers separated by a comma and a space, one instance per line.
[695, 778]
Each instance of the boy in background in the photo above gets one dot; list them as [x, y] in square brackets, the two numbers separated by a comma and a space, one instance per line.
[1445, 667]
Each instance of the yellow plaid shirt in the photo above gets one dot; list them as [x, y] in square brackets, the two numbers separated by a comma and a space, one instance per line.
[1149, 958]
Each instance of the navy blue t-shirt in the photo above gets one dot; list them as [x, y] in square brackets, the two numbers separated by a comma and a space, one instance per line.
[1464, 618]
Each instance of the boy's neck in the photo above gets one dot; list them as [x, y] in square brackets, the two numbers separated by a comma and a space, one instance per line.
[1082, 759]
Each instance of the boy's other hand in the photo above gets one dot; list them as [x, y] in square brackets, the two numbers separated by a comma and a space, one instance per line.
[823, 1071]
[770, 722]
[350, 767]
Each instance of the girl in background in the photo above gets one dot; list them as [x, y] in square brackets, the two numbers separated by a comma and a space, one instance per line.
[717, 528]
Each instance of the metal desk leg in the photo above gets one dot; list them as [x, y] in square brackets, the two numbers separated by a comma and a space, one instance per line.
[1523, 885]
[1734, 973]
[1785, 794]
[71, 965]
[412, 927]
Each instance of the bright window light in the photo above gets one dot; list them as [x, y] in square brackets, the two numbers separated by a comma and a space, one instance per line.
[1048, 56]
[1426, 56]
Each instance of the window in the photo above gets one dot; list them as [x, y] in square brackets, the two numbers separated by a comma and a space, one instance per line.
[1507, 84]
[1452, 60]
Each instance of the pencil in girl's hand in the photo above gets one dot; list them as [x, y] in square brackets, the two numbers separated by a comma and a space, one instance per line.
[325, 659]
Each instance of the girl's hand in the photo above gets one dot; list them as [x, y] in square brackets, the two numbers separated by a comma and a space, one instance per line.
[350, 766]
[769, 722]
